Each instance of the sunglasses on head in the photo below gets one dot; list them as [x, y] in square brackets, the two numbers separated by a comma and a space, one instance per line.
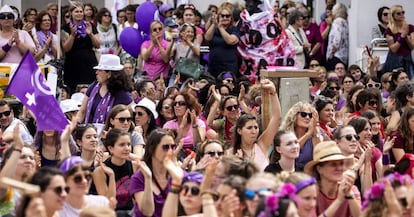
[215, 153]
[179, 103]
[400, 13]
[59, 190]
[348, 137]
[376, 85]
[167, 147]
[232, 107]
[6, 114]
[193, 190]
[250, 194]
[225, 15]
[372, 102]
[123, 120]
[6, 16]
[305, 114]
[79, 178]
[334, 88]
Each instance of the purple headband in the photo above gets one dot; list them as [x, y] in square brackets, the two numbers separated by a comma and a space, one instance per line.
[303, 184]
[69, 163]
[227, 75]
[193, 177]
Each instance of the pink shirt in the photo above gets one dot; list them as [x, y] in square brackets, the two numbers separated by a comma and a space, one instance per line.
[187, 137]
[155, 65]
[14, 55]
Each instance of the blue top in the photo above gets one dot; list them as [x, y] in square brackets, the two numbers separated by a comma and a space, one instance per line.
[306, 152]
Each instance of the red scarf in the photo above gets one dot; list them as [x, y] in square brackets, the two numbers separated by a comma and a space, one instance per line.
[326, 129]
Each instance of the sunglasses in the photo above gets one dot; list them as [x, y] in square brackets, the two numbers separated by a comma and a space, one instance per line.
[107, 15]
[79, 178]
[232, 107]
[307, 17]
[67, 17]
[123, 120]
[305, 114]
[334, 88]
[376, 85]
[59, 190]
[215, 153]
[314, 65]
[385, 14]
[229, 80]
[166, 106]
[348, 137]
[400, 13]
[195, 191]
[157, 29]
[6, 114]
[6, 16]
[387, 82]
[179, 103]
[225, 15]
[167, 147]
[372, 102]
[250, 194]
[140, 113]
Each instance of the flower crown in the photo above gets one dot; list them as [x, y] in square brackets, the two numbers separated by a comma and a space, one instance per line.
[376, 191]
[272, 202]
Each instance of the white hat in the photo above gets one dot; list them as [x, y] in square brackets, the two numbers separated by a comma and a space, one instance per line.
[109, 62]
[8, 9]
[149, 104]
[78, 97]
[69, 105]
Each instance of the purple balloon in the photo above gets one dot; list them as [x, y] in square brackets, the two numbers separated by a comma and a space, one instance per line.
[131, 41]
[145, 15]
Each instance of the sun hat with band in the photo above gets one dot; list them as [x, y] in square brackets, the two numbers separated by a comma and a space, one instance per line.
[109, 62]
[324, 152]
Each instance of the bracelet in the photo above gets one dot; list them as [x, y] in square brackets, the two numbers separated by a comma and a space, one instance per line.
[349, 197]
[207, 193]
[6, 47]
[195, 126]
[208, 204]
[175, 190]
[18, 150]
[175, 185]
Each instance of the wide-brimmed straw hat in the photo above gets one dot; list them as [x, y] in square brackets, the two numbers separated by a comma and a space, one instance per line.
[324, 152]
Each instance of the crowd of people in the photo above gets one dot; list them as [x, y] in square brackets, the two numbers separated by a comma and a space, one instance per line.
[144, 140]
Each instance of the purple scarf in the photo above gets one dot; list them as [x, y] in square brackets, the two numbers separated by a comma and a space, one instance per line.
[42, 38]
[103, 108]
[80, 28]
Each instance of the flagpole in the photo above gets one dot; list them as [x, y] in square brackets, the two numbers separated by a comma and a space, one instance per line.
[58, 31]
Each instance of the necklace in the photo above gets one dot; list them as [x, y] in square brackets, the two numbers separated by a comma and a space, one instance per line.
[250, 156]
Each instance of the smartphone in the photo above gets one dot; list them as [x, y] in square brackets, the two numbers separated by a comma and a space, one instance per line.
[25, 188]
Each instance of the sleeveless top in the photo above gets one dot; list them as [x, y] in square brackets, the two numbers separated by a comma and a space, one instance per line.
[306, 152]
[260, 159]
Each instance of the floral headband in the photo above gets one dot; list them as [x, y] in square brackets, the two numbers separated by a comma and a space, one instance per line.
[272, 202]
[377, 190]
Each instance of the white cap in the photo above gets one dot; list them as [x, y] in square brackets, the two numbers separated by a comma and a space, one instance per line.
[149, 104]
[8, 9]
[69, 105]
[78, 97]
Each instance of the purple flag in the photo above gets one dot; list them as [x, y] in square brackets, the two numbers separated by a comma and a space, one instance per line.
[29, 86]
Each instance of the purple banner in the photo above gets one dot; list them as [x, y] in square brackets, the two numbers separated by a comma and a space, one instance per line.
[29, 86]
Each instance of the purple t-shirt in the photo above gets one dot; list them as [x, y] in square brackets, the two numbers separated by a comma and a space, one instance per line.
[155, 65]
[404, 49]
[138, 184]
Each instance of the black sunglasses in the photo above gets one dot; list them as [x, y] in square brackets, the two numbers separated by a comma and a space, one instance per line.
[6, 113]
[194, 190]
[179, 103]
[376, 85]
[166, 106]
[232, 107]
[139, 113]
[372, 102]
[225, 15]
[304, 114]
[215, 153]
[8, 16]
[314, 65]
[123, 120]
[157, 29]
[228, 80]
[79, 178]
[59, 190]
[167, 147]
[400, 13]
[334, 88]
[348, 137]
[385, 14]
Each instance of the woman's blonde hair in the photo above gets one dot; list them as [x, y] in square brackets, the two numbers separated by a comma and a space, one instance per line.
[289, 122]
[391, 23]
